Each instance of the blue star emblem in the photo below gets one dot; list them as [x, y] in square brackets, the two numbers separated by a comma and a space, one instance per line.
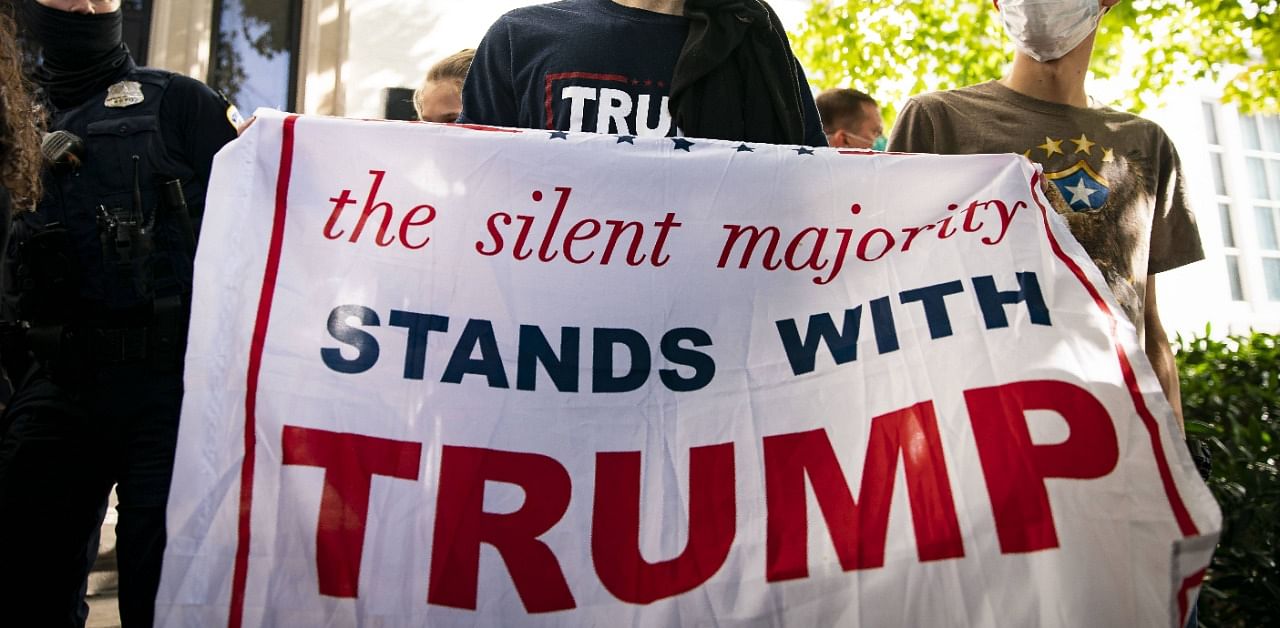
[743, 148]
[559, 135]
[1081, 187]
[682, 144]
[804, 151]
[629, 139]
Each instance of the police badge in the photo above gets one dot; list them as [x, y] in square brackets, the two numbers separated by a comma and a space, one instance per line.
[124, 94]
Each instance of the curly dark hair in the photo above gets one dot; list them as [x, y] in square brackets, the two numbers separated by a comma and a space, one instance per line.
[20, 122]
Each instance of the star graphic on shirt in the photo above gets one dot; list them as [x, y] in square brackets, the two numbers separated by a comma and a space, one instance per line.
[1086, 189]
[804, 151]
[1083, 145]
[629, 139]
[1108, 155]
[1080, 193]
[1027, 154]
[743, 148]
[559, 135]
[681, 143]
[1051, 146]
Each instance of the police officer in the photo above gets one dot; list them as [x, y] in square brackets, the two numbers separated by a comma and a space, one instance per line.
[98, 278]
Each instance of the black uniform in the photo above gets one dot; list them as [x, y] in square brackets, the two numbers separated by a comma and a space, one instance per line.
[100, 275]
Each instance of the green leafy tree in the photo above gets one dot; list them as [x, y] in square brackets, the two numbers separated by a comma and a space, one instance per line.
[1231, 400]
[896, 48]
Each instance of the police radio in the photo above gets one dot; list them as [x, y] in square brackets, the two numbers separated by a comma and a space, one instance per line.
[125, 234]
[62, 148]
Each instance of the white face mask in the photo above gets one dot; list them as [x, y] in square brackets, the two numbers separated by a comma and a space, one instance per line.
[1048, 29]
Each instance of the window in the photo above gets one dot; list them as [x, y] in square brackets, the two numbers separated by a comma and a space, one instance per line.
[1261, 141]
[255, 52]
[1233, 254]
[1219, 176]
[1233, 276]
[1216, 160]
[1210, 124]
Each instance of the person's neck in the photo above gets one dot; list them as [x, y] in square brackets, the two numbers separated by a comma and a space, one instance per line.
[1060, 81]
[669, 7]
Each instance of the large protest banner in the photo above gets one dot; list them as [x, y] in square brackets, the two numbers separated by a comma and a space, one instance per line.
[455, 376]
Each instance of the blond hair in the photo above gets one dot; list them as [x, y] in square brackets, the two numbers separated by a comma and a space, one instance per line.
[451, 68]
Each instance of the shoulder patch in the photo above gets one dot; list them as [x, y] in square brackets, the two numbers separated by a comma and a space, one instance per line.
[233, 116]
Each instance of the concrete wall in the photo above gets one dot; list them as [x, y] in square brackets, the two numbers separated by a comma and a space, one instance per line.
[180, 32]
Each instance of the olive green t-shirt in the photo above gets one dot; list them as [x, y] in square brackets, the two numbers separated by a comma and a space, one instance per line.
[1118, 173]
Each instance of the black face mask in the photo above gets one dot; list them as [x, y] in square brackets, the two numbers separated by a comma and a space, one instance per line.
[82, 54]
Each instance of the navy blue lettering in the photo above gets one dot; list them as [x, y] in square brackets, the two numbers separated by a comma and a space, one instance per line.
[534, 350]
[803, 353]
[415, 349]
[704, 368]
[602, 378]
[365, 344]
[992, 300]
[477, 334]
[933, 298]
[882, 323]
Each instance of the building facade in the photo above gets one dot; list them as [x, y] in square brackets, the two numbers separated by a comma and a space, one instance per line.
[1232, 166]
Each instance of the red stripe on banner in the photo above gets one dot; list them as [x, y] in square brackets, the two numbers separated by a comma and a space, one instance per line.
[240, 575]
[1185, 524]
[1184, 600]
[617, 78]
[481, 127]
[868, 152]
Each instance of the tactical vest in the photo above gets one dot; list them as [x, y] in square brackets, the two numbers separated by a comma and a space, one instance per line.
[101, 246]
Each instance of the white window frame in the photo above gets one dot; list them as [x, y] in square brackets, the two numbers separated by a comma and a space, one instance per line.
[1231, 249]
[1240, 198]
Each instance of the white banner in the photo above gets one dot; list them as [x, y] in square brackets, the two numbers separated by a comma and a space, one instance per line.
[454, 376]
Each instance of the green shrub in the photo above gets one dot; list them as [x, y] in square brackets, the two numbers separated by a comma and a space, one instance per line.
[1231, 401]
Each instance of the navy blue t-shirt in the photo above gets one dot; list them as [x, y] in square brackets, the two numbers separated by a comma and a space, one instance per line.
[585, 65]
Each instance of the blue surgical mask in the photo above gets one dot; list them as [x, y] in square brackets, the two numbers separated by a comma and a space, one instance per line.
[880, 144]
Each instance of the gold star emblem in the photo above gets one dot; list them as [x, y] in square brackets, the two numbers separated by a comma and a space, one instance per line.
[1083, 145]
[1027, 154]
[1051, 146]
[1108, 155]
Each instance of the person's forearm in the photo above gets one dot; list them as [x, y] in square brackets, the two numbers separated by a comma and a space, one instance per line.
[1161, 356]
[1160, 353]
